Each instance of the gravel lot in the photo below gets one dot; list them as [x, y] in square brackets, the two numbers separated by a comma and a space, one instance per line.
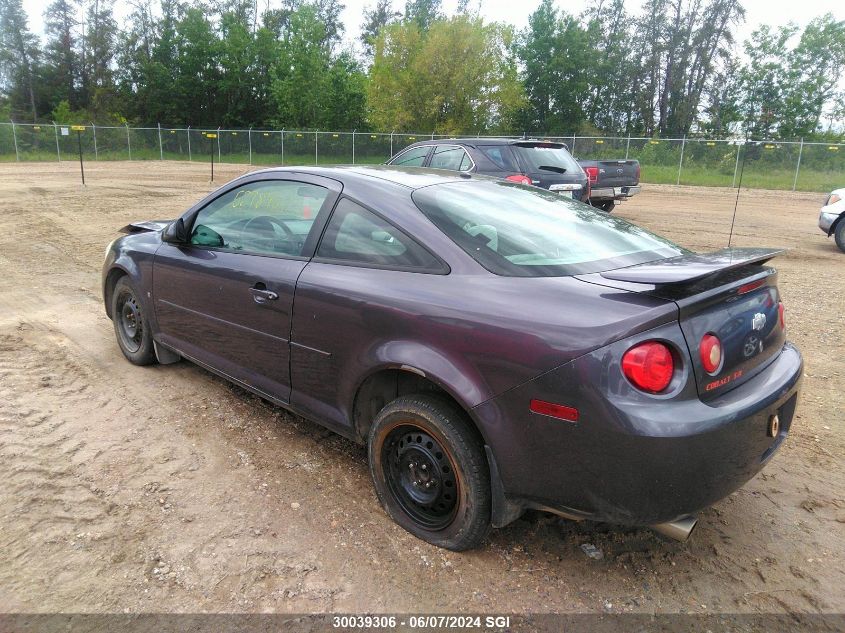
[166, 489]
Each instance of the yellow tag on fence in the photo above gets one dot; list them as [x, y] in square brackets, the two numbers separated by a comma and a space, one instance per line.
[211, 135]
[77, 128]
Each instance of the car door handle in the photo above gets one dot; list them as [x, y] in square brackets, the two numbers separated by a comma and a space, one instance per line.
[262, 295]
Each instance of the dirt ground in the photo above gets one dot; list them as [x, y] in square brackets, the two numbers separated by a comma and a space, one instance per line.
[130, 489]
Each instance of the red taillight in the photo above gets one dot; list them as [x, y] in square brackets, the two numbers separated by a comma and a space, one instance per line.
[638, 172]
[781, 315]
[522, 179]
[592, 174]
[710, 350]
[752, 285]
[559, 411]
[649, 366]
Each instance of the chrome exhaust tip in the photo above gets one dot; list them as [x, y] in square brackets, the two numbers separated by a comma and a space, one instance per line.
[679, 530]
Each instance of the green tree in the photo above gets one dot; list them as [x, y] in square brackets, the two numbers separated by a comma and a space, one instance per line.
[554, 54]
[61, 73]
[459, 76]
[375, 19]
[310, 88]
[786, 90]
[99, 47]
[18, 58]
[423, 12]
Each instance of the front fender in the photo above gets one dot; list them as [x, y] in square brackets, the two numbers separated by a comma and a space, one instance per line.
[131, 256]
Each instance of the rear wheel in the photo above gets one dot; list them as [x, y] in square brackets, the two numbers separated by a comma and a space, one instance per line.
[607, 206]
[430, 472]
[839, 234]
[131, 326]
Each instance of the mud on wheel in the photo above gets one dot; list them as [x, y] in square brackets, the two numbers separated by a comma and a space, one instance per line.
[430, 472]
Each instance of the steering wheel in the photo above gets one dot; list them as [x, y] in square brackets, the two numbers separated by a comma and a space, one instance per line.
[265, 224]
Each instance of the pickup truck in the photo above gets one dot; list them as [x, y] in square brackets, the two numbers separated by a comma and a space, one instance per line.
[611, 181]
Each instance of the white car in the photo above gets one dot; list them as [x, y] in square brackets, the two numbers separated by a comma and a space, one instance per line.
[832, 217]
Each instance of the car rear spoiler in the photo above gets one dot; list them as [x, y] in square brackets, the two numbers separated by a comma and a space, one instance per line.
[149, 225]
[685, 268]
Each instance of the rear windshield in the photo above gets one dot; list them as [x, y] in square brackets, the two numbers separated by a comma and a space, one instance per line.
[545, 157]
[516, 230]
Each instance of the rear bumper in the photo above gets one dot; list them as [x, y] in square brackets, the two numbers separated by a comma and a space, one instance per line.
[614, 193]
[631, 459]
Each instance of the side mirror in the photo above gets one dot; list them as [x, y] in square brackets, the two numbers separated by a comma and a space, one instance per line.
[175, 233]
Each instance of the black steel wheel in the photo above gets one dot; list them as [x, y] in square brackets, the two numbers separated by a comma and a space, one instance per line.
[131, 325]
[430, 471]
[421, 476]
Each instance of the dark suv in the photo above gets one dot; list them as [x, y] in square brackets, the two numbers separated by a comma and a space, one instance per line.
[529, 162]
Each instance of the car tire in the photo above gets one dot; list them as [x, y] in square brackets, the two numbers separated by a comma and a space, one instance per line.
[607, 206]
[131, 326]
[839, 234]
[430, 472]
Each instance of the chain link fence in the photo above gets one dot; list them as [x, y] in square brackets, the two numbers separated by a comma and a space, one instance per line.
[792, 165]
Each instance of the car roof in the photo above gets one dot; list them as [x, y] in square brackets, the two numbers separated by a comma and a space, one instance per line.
[410, 177]
[473, 141]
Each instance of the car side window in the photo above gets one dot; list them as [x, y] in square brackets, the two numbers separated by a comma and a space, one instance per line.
[450, 157]
[500, 155]
[413, 157]
[359, 236]
[268, 217]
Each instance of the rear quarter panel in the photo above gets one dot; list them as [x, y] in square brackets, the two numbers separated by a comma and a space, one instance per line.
[476, 335]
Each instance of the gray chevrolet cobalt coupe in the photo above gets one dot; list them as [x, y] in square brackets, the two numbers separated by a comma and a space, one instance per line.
[496, 346]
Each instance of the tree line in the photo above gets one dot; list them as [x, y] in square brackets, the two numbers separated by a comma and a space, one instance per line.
[671, 69]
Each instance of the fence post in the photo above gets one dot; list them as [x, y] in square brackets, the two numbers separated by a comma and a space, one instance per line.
[283, 147]
[58, 151]
[432, 136]
[739, 147]
[391, 143]
[15, 138]
[249, 137]
[681, 162]
[353, 147]
[316, 132]
[128, 142]
[190, 158]
[219, 155]
[798, 166]
[96, 153]
[160, 149]
[627, 146]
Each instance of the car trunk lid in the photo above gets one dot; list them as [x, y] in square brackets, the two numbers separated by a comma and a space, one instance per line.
[729, 294]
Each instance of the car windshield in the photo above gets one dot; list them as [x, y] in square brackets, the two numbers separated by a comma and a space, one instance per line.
[538, 157]
[515, 230]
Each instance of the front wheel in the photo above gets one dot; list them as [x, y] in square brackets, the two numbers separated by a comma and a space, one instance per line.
[131, 326]
[839, 235]
[430, 472]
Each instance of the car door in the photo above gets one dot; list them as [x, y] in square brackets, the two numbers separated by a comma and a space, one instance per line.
[225, 298]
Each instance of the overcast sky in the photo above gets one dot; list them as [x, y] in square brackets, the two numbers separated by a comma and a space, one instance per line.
[775, 12]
